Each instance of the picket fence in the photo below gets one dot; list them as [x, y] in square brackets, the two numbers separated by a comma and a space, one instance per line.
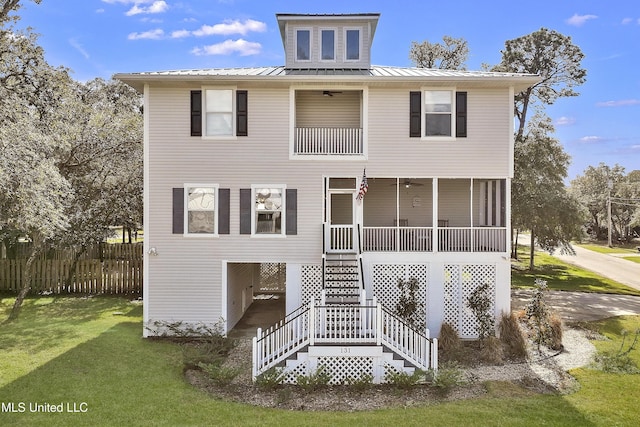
[116, 270]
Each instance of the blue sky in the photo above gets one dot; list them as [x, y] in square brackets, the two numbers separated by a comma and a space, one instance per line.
[97, 38]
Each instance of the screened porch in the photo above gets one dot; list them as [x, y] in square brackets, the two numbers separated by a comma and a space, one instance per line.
[434, 215]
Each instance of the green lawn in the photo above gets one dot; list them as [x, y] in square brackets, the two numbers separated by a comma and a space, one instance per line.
[633, 258]
[89, 354]
[562, 276]
[604, 249]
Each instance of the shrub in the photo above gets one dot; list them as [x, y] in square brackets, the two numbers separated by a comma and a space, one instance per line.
[270, 379]
[409, 308]
[480, 303]
[555, 332]
[361, 383]
[315, 380]
[539, 317]
[491, 351]
[619, 361]
[221, 375]
[449, 344]
[512, 337]
[403, 380]
[449, 375]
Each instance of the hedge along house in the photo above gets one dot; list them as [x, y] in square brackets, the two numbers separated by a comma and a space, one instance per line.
[251, 167]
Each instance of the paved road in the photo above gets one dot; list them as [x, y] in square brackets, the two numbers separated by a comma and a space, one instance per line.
[618, 269]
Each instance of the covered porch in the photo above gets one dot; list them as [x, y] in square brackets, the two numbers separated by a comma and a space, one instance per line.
[424, 215]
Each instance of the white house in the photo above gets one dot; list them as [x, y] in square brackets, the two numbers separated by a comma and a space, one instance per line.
[250, 168]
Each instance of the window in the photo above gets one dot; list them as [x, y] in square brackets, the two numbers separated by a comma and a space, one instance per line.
[352, 44]
[268, 209]
[445, 114]
[438, 112]
[201, 210]
[219, 112]
[303, 45]
[328, 45]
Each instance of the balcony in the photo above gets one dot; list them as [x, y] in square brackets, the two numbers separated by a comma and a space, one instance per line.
[421, 239]
[328, 141]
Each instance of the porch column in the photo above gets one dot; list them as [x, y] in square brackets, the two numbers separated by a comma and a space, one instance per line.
[507, 214]
[434, 215]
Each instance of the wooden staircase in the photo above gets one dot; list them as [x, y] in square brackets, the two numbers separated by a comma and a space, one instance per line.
[342, 282]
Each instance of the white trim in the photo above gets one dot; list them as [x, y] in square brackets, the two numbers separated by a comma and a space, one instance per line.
[223, 294]
[335, 44]
[216, 208]
[360, 32]
[233, 135]
[283, 210]
[511, 135]
[295, 43]
[146, 215]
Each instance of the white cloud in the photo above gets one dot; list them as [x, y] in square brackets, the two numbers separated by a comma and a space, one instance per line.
[565, 121]
[619, 103]
[591, 139]
[159, 6]
[626, 21]
[77, 46]
[148, 35]
[579, 20]
[231, 27]
[179, 34]
[228, 47]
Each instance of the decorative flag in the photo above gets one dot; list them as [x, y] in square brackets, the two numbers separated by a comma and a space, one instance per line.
[364, 186]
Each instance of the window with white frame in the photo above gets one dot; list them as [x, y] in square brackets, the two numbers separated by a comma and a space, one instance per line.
[303, 45]
[219, 112]
[438, 112]
[268, 210]
[352, 45]
[201, 209]
[328, 48]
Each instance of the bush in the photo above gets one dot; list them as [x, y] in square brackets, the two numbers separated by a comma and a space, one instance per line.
[480, 303]
[362, 383]
[554, 340]
[619, 361]
[450, 345]
[270, 379]
[512, 337]
[403, 380]
[221, 375]
[318, 379]
[449, 376]
[491, 351]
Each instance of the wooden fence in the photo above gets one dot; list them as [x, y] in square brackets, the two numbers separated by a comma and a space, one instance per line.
[117, 271]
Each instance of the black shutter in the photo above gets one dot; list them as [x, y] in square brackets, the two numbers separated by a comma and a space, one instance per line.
[196, 113]
[245, 211]
[241, 113]
[415, 111]
[292, 211]
[461, 114]
[224, 194]
[178, 211]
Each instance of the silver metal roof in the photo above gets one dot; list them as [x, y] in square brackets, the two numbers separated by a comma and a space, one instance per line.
[379, 74]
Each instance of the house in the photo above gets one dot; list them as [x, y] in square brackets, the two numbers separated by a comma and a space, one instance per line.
[344, 178]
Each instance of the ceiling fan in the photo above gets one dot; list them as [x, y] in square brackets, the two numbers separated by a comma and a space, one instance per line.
[329, 92]
[407, 183]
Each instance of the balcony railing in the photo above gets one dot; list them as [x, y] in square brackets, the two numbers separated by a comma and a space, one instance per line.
[420, 239]
[328, 141]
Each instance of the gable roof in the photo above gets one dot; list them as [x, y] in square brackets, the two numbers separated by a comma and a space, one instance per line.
[378, 75]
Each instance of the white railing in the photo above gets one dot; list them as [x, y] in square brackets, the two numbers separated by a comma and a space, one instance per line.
[420, 239]
[472, 239]
[340, 238]
[342, 324]
[328, 141]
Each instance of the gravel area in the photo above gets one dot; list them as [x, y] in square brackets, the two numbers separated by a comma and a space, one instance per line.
[543, 372]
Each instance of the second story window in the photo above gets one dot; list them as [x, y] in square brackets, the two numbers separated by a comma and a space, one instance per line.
[201, 210]
[219, 112]
[352, 44]
[268, 209]
[303, 45]
[438, 112]
[328, 45]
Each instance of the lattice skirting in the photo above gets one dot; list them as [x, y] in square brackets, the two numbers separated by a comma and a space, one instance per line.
[385, 277]
[311, 282]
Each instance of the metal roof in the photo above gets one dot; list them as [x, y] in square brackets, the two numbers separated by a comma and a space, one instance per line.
[373, 74]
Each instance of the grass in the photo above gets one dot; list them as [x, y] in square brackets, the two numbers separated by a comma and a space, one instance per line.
[603, 249]
[90, 351]
[562, 276]
[633, 258]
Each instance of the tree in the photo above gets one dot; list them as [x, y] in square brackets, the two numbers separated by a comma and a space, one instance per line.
[451, 54]
[550, 55]
[540, 201]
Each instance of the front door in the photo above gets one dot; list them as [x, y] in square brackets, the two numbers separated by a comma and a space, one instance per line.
[341, 220]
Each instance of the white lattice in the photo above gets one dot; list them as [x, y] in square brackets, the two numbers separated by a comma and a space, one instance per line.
[341, 368]
[291, 374]
[385, 282]
[460, 280]
[311, 285]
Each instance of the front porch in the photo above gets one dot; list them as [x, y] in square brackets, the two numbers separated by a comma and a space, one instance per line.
[419, 215]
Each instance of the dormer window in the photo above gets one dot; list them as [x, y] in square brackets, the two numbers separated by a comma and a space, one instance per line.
[328, 52]
[303, 45]
[352, 45]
